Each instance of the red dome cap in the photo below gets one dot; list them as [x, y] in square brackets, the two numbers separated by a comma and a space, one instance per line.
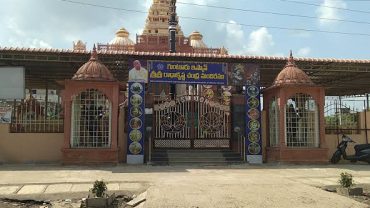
[93, 70]
[292, 75]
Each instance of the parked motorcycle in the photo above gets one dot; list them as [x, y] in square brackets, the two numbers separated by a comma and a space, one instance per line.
[362, 151]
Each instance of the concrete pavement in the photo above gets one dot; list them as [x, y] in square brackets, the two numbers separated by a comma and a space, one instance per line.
[190, 186]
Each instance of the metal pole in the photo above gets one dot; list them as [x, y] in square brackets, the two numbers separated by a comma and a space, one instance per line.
[150, 148]
[367, 140]
[340, 110]
[172, 26]
[239, 144]
[367, 101]
[172, 23]
[244, 149]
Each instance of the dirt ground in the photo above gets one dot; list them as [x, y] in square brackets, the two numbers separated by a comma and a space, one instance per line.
[11, 203]
[365, 198]
[234, 186]
[66, 203]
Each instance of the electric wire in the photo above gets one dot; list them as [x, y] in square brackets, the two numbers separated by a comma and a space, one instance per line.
[331, 7]
[224, 22]
[273, 13]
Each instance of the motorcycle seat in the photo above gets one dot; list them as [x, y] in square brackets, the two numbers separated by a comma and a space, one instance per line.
[360, 147]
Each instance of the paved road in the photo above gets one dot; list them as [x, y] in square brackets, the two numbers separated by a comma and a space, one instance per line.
[190, 186]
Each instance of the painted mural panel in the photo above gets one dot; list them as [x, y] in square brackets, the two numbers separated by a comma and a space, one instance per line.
[248, 75]
[241, 74]
[136, 116]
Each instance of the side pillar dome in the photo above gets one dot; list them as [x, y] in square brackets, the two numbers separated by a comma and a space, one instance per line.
[91, 100]
[294, 106]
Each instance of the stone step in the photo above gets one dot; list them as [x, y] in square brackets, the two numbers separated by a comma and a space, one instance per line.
[203, 157]
[196, 155]
[201, 163]
[199, 159]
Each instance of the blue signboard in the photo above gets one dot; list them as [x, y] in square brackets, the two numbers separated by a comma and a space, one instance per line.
[136, 116]
[187, 72]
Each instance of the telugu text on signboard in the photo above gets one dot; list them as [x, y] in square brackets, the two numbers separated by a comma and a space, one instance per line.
[187, 72]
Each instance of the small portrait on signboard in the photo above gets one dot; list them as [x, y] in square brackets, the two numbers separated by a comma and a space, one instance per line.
[236, 75]
[252, 74]
[138, 72]
[240, 74]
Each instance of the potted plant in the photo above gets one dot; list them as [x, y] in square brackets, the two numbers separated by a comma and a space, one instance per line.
[99, 197]
[346, 185]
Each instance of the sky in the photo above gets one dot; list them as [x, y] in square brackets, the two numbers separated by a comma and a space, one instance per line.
[57, 23]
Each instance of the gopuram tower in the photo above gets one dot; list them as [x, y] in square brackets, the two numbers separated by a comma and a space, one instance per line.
[155, 34]
[155, 38]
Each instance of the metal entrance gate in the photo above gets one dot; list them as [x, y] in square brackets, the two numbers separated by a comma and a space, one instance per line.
[191, 122]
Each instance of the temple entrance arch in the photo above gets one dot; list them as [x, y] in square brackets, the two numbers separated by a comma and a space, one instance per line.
[197, 116]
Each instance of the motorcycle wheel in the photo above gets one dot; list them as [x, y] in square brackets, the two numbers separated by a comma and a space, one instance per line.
[336, 157]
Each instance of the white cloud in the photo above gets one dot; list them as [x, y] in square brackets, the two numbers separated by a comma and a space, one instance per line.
[234, 31]
[324, 11]
[235, 38]
[36, 43]
[304, 51]
[13, 27]
[146, 3]
[260, 42]
[28, 43]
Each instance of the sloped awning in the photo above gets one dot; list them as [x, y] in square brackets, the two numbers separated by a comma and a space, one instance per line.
[338, 76]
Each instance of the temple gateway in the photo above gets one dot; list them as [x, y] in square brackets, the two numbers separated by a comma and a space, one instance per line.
[132, 101]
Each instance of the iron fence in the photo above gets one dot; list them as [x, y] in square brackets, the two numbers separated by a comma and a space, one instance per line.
[39, 113]
[343, 116]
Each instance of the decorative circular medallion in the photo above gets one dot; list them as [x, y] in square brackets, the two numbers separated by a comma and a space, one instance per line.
[208, 93]
[136, 111]
[253, 125]
[252, 91]
[135, 123]
[135, 148]
[172, 122]
[136, 100]
[253, 113]
[136, 88]
[253, 136]
[253, 102]
[254, 148]
[211, 122]
[135, 135]
[160, 67]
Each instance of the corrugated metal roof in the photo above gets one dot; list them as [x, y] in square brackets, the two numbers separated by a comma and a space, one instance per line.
[200, 55]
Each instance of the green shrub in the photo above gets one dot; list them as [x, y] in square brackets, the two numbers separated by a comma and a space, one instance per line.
[346, 180]
[99, 188]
